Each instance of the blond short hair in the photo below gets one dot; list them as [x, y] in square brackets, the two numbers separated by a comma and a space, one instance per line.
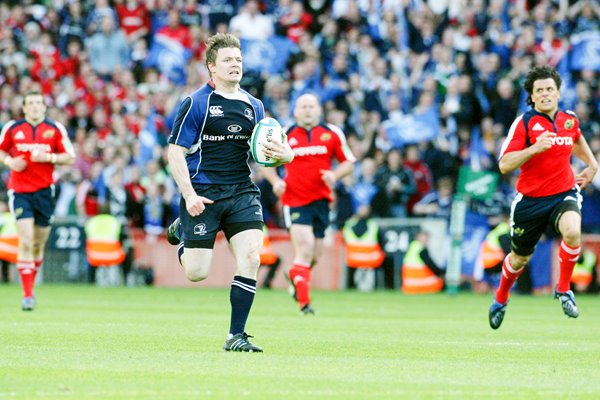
[217, 42]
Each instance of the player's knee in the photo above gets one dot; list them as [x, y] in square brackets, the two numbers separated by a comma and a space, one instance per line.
[306, 251]
[37, 248]
[572, 236]
[248, 265]
[252, 260]
[25, 245]
[518, 261]
[196, 274]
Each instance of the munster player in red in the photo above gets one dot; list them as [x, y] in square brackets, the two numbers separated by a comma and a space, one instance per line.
[306, 188]
[540, 143]
[30, 148]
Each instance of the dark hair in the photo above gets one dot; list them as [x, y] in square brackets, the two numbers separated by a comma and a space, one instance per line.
[219, 41]
[32, 93]
[537, 73]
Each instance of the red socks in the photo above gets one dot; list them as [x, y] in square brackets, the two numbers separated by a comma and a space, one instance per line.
[567, 256]
[509, 276]
[38, 266]
[300, 275]
[27, 274]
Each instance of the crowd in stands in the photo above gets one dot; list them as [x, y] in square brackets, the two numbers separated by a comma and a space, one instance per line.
[420, 88]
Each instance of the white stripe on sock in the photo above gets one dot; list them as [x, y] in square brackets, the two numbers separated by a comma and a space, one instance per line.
[244, 286]
[570, 250]
[509, 267]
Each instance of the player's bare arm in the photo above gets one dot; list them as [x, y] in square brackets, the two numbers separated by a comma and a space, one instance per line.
[513, 160]
[582, 150]
[17, 164]
[194, 204]
[342, 170]
[52, 158]
[276, 182]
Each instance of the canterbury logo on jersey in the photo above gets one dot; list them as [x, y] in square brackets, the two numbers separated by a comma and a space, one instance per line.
[24, 147]
[310, 150]
[19, 135]
[215, 111]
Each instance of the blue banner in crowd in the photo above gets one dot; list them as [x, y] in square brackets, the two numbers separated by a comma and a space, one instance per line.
[540, 264]
[585, 53]
[413, 128]
[269, 55]
[170, 57]
[476, 229]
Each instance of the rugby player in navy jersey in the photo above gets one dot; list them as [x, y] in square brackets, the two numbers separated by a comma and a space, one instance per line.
[540, 143]
[30, 148]
[208, 154]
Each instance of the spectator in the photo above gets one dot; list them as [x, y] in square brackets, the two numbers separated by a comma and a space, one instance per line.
[421, 175]
[136, 195]
[295, 22]
[364, 188]
[504, 104]
[108, 49]
[73, 26]
[251, 24]
[420, 273]
[585, 16]
[363, 251]
[438, 203]
[219, 12]
[396, 183]
[175, 30]
[100, 10]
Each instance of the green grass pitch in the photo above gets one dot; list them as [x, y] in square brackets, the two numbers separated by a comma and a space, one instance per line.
[149, 343]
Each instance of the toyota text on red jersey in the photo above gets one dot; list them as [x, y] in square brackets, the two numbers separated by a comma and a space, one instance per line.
[550, 172]
[20, 138]
[314, 151]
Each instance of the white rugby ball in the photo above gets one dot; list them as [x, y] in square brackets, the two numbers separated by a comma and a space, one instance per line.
[265, 129]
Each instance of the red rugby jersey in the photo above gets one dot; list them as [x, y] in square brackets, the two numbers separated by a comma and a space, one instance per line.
[314, 151]
[550, 172]
[20, 138]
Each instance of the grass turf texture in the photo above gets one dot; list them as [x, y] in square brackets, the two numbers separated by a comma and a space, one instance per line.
[143, 343]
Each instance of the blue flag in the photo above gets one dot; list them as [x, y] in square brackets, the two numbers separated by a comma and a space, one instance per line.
[585, 53]
[170, 57]
[413, 128]
[269, 55]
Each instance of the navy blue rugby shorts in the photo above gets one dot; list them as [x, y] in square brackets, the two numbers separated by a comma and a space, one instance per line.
[236, 208]
[37, 205]
[532, 216]
[315, 214]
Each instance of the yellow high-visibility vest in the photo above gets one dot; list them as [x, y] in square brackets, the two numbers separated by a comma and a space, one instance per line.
[583, 271]
[491, 250]
[417, 278]
[9, 241]
[363, 251]
[102, 244]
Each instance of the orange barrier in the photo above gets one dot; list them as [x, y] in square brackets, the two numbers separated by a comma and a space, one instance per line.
[157, 253]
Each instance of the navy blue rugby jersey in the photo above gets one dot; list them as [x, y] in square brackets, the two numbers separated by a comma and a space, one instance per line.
[215, 128]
